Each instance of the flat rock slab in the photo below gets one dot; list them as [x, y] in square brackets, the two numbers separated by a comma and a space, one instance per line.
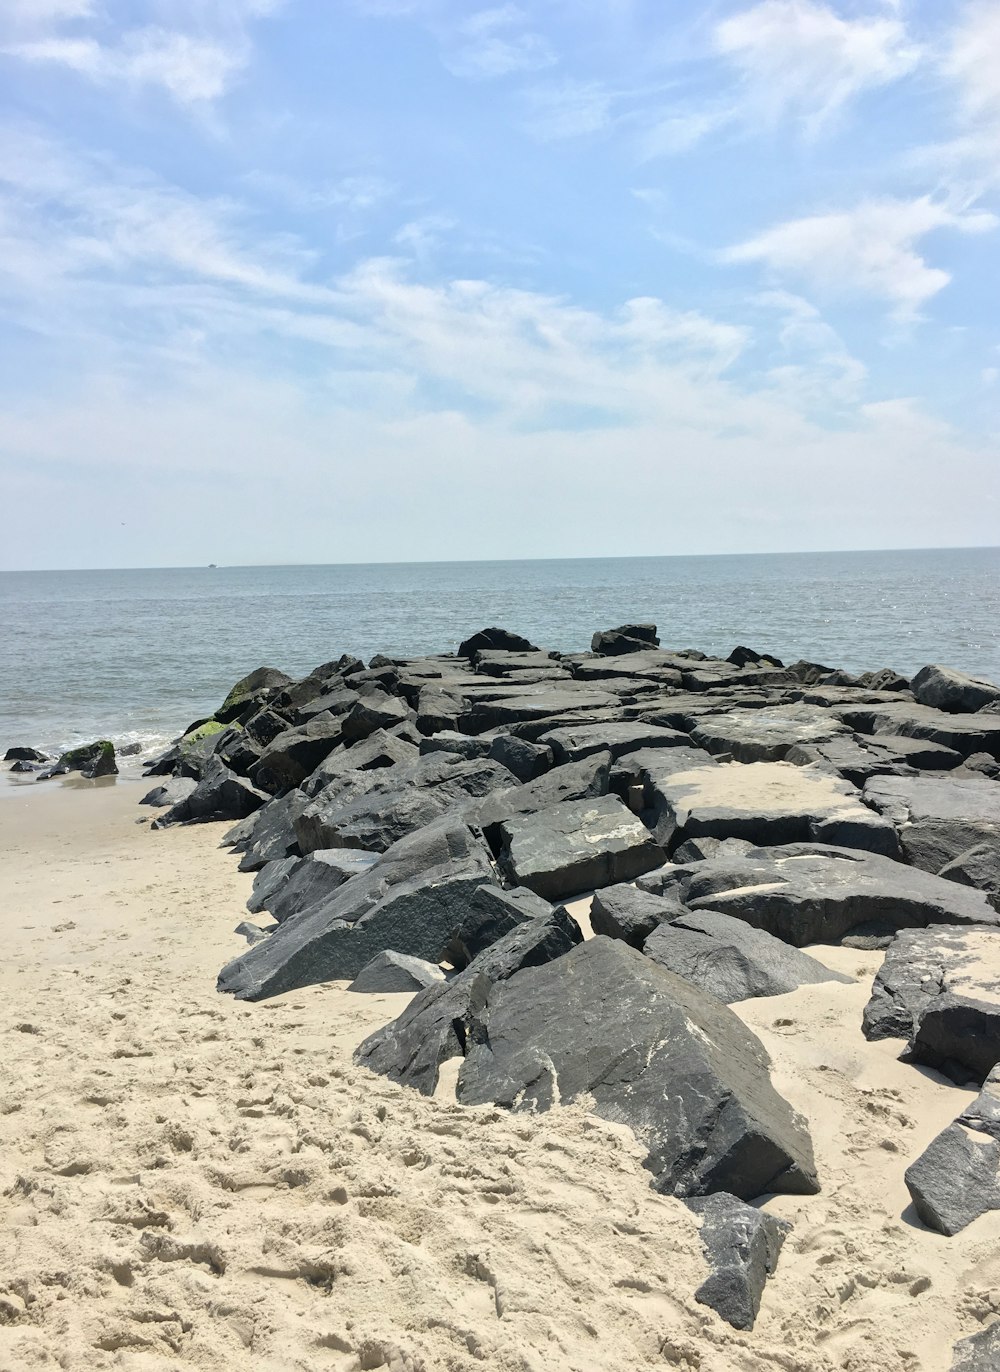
[577, 846]
[938, 818]
[922, 965]
[570, 745]
[814, 893]
[768, 803]
[730, 959]
[391, 972]
[859, 757]
[765, 735]
[525, 703]
[742, 1245]
[957, 1178]
[979, 1352]
[965, 733]
[654, 1053]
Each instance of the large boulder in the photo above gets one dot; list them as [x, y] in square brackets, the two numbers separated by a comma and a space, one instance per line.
[946, 689]
[20, 754]
[858, 758]
[741, 1245]
[435, 1026]
[91, 760]
[501, 639]
[268, 881]
[289, 758]
[374, 710]
[957, 1177]
[814, 893]
[964, 733]
[256, 688]
[378, 751]
[171, 792]
[940, 818]
[768, 803]
[411, 900]
[577, 846]
[573, 781]
[627, 638]
[490, 915]
[624, 911]
[220, 794]
[273, 835]
[314, 878]
[524, 759]
[541, 704]
[765, 735]
[571, 744]
[731, 960]
[652, 1052]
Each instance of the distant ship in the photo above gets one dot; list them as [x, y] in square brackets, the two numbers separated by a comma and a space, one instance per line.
[212, 567]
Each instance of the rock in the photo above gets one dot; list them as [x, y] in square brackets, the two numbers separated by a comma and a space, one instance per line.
[698, 849]
[315, 878]
[524, 759]
[24, 755]
[374, 710]
[22, 766]
[265, 726]
[625, 912]
[273, 834]
[957, 1177]
[966, 734]
[293, 755]
[938, 818]
[220, 794]
[979, 1352]
[741, 1245]
[435, 1026]
[768, 803]
[412, 899]
[377, 752]
[130, 750]
[251, 932]
[257, 687]
[91, 760]
[542, 704]
[731, 960]
[172, 792]
[577, 846]
[572, 744]
[574, 781]
[390, 972]
[946, 689]
[654, 1053]
[627, 638]
[765, 735]
[462, 745]
[858, 758]
[501, 639]
[438, 710]
[814, 893]
[492, 913]
[886, 679]
[981, 764]
[269, 881]
[939, 987]
[743, 657]
[978, 867]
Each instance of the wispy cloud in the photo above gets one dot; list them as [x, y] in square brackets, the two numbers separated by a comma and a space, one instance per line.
[567, 109]
[495, 42]
[870, 250]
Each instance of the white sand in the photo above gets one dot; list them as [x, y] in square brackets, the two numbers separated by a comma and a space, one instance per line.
[188, 1182]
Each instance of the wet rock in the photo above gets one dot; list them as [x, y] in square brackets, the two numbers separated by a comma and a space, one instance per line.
[92, 760]
[24, 755]
[655, 1054]
[220, 794]
[741, 1245]
[577, 846]
[390, 972]
[946, 689]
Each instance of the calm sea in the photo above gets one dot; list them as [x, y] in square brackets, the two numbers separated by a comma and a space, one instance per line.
[135, 655]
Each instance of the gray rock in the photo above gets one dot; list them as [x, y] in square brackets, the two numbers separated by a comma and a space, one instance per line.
[938, 818]
[494, 638]
[957, 1177]
[491, 914]
[858, 758]
[570, 745]
[815, 893]
[526, 703]
[391, 972]
[462, 745]
[768, 803]
[373, 710]
[654, 1053]
[269, 881]
[698, 849]
[379, 750]
[251, 932]
[274, 835]
[575, 781]
[220, 794]
[315, 878]
[412, 899]
[438, 710]
[577, 846]
[625, 912]
[979, 867]
[731, 960]
[627, 638]
[524, 759]
[171, 792]
[435, 1026]
[965, 734]
[742, 1245]
[946, 689]
[765, 735]
[979, 1352]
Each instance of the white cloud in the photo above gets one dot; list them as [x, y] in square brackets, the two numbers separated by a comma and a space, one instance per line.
[568, 109]
[496, 42]
[800, 59]
[866, 251]
[970, 64]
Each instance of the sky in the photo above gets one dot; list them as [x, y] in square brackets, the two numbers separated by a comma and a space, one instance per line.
[404, 280]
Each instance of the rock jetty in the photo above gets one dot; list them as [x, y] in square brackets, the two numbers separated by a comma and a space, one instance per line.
[427, 824]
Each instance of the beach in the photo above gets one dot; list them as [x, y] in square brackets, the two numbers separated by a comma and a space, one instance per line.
[190, 1181]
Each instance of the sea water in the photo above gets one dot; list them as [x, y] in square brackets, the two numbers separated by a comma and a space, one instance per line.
[137, 655]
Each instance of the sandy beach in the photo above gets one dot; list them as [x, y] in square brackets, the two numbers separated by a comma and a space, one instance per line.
[188, 1181]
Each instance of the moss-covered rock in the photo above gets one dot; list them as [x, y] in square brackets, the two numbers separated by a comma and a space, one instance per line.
[91, 760]
[253, 689]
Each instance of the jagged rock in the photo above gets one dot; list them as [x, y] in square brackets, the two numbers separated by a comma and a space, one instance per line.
[625, 912]
[627, 638]
[966, 734]
[371, 711]
[655, 1054]
[815, 893]
[291, 757]
[172, 792]
[220, 794]
[742, 657]
[412, 899]
[979, 867]
[438, 710]
[315, 878]
[273, 834]
[540, 703]
[979, 1352]
[577, 846]
[240, 834]
[492, 913]
[434, 1027]
[946, 689]
[92, 760]
[938, 818]
[462, 745]
[731, 960]
[391, 972]
[981, 764]
[373, 754]
[957, 1177]
[269, 881]
[886, 679]
[741, 1245]
[768, 803]
[858, 758]
[526, 760]
[574, 781]
[24, 755]
[572, 744]
[265, 726]
[258, 686]
[765, 735]
[501, 639]
[251, 932]
[22, 766]
[698, 849]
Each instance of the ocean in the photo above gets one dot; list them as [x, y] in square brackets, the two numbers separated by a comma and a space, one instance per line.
[136, 655]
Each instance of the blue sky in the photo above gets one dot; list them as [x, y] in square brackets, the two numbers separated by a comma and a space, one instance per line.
[379, 280]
